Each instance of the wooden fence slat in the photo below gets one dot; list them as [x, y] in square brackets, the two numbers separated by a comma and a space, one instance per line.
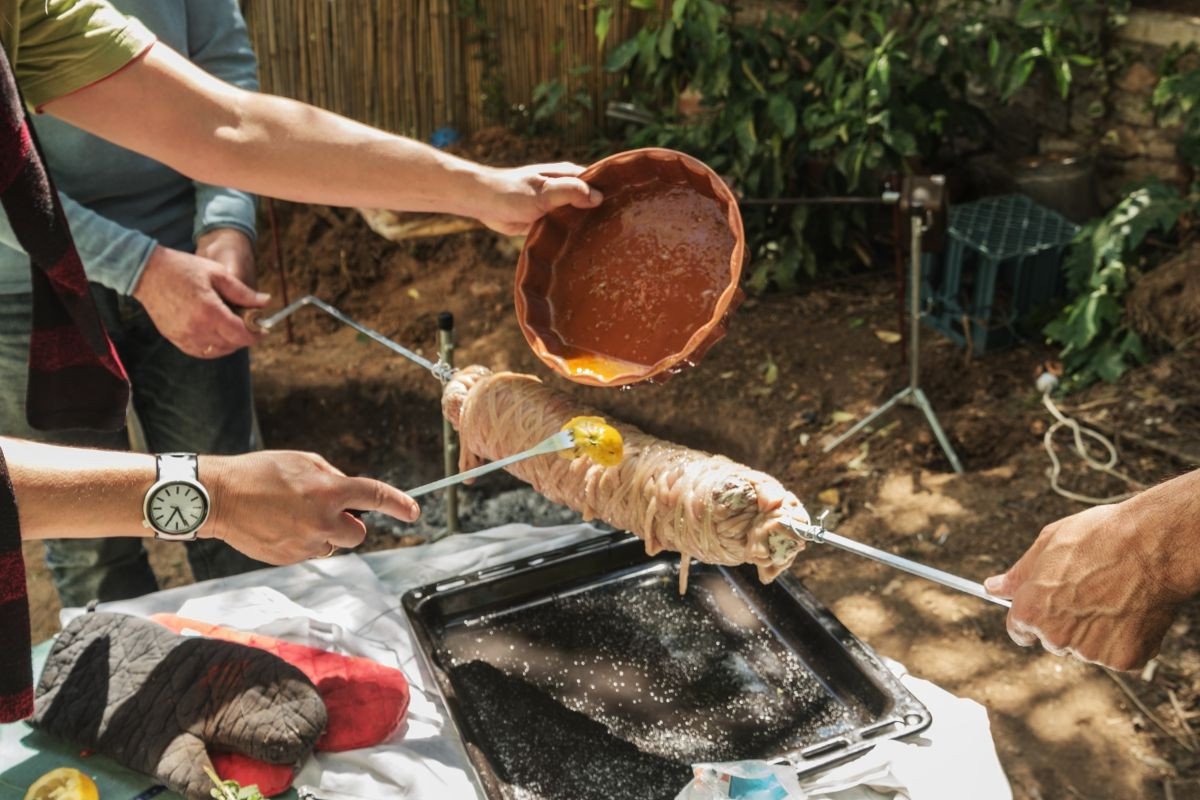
[412, 66]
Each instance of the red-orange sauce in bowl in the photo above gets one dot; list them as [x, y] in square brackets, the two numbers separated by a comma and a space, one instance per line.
[629, 289]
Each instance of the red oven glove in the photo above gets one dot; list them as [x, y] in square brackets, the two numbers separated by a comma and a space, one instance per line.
[366, 701]
[166, 705]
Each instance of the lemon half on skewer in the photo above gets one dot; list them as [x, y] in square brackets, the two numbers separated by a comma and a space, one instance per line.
[595, 439]
[64, 783]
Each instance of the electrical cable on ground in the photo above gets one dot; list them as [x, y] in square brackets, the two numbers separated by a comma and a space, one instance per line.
[1046, 383]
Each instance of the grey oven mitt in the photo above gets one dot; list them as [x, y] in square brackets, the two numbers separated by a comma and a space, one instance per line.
[157, 702]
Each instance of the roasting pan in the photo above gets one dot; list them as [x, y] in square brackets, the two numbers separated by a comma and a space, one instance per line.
[581, 673]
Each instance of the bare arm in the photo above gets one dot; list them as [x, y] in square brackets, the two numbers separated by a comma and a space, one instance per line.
[1104, 584]
[166, 108]
[274, 506]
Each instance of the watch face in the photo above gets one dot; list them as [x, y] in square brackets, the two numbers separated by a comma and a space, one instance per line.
[177, 508]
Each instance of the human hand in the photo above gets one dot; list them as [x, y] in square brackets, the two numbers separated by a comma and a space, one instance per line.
[1103, 585]
[233, 249]
[284, 506]
[189, 297]
[522, 195]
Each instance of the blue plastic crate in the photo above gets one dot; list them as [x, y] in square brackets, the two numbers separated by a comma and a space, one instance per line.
[1002, 263]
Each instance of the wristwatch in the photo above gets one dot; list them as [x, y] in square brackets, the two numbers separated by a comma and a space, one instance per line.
[176, 505]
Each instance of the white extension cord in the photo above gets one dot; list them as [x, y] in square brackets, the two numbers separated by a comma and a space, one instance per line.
[1047, 382]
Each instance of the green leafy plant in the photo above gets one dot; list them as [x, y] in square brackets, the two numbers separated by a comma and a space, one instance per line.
[1055, 36]
[828, 100]
[1176, 101]
[556, 104]
[1108, 255]
[1101, 265]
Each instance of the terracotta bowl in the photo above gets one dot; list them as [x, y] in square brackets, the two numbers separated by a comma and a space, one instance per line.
[641, 286]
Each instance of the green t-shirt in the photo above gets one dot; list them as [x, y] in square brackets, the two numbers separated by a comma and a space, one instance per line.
[59, 46]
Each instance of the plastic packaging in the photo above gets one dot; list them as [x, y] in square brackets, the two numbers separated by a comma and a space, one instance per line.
[743, 780]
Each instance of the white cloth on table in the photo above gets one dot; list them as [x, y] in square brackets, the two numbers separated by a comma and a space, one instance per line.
[352, 604]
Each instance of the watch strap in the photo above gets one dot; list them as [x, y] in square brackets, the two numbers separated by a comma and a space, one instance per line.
[178, 467]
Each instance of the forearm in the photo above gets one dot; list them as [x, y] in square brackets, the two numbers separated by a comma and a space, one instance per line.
[278, 147]
[1166, 522]
[79, 493]
[219, 44]
[219, 134]
[76, 493]
[1104, 585]
[280, 506]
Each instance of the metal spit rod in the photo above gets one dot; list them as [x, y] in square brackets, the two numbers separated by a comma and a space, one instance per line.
[818, 534]
[449, 435]
[887, 198]
[807, 531]
[563, 440]
[440, 369]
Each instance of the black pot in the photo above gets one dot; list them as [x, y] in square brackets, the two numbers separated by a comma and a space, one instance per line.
[1065, 184]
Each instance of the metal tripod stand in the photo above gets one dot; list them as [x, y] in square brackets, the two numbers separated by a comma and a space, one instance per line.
[921, 206]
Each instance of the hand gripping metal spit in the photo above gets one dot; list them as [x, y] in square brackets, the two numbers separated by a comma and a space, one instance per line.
[442, 369]
[818, 534]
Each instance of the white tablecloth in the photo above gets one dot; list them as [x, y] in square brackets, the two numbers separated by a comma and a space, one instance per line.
[352, 604]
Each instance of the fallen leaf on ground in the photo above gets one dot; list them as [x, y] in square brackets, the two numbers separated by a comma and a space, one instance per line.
[830, 497]
[887, 337]
[842, 416]
[886, 430]
[770, 371]
[858, 463]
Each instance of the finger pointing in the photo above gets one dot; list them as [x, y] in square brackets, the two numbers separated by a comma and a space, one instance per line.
[369, 494]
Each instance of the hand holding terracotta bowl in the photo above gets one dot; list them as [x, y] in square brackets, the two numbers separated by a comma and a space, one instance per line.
[640, 286]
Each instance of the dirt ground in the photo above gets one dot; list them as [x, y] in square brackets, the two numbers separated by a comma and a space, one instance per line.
[790, 374]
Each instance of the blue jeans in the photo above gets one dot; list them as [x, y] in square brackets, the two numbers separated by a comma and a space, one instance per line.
[185, 404]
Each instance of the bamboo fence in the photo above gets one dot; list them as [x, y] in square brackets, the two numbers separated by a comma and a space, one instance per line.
[413, 66]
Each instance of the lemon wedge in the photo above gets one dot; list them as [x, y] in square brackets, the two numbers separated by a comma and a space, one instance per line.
[595, 439]
[64, 783]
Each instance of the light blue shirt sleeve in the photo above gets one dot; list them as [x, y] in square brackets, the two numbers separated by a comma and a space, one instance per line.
[112, 254]
[219, 44]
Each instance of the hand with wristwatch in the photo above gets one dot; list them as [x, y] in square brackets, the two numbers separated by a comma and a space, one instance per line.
[176, 504]
[316, 502]
[276, 506]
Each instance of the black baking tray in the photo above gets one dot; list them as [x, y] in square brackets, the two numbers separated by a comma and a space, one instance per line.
[582, 673]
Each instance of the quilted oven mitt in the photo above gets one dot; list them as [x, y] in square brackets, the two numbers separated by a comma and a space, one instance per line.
[366, 700]
[159, 703]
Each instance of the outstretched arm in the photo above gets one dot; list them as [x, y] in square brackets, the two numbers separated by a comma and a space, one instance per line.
[1104, 584]
[278, 507]
[218, 133]
[218, 43]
